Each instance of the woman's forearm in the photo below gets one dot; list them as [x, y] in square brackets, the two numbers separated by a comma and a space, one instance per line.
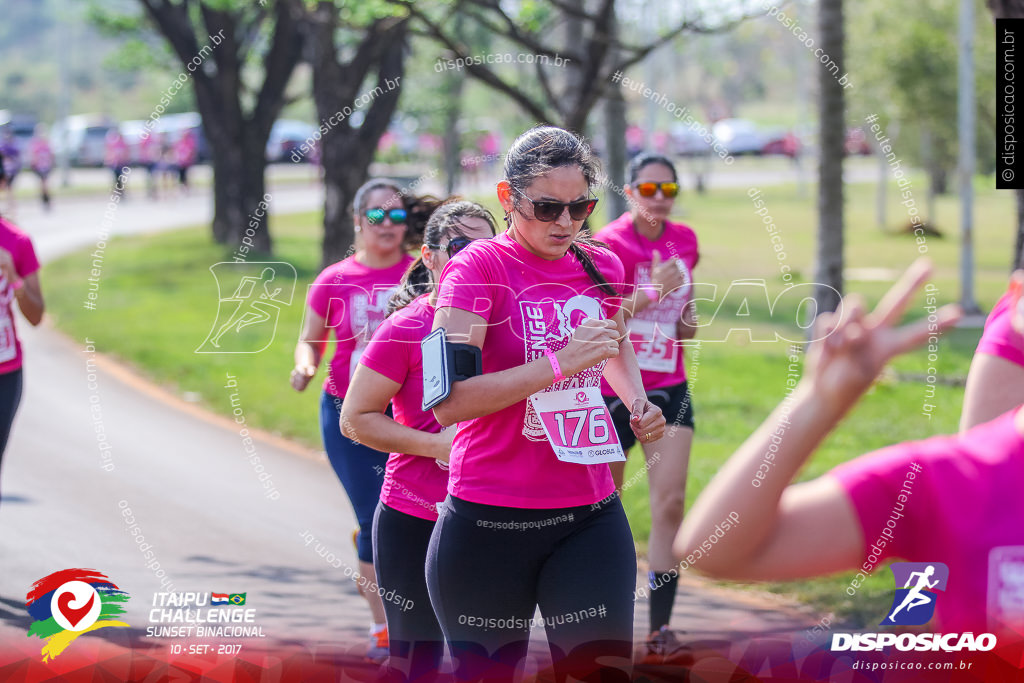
[751, 483]
[380, 432]
[623, 375]
[494, 391]
[307, 354]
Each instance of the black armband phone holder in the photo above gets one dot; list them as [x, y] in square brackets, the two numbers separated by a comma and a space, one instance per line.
[445, 363]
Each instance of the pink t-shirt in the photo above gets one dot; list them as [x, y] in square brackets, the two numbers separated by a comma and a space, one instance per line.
[413, 484]
[653, 330]
[353, 299]
[529, 303]
[25, 263]
[962, 506]
[999, 337]
[40, 156]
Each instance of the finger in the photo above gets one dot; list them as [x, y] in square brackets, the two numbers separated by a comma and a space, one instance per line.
[651, 419]
[655, 260]
[890, 309]
[637, 411]
[917, 333]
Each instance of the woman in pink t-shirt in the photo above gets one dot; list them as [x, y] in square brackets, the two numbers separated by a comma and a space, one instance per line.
[40, 160]
[349, 299]
[19, 280]
[530, 519]
[995, 382]
[416, 478]
[659, 257]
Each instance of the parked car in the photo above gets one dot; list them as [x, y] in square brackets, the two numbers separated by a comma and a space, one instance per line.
[22, 126]
[689, 142]
[286, 136]
[738, 136]
[785, 143]
[82, 138]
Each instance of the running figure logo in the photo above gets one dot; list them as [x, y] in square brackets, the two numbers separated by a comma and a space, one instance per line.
[253, 306]
[914, 603]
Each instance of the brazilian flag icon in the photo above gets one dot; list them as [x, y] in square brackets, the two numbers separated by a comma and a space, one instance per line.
[237, 598]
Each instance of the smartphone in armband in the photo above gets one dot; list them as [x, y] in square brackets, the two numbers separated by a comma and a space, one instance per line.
[445, 363]
[437, 383]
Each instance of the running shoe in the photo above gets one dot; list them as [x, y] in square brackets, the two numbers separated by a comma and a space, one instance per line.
[378, 650]
[663, 646]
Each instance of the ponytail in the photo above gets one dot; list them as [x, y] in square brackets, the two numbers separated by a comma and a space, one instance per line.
[589, 267]
[433, 221]
[415, 283]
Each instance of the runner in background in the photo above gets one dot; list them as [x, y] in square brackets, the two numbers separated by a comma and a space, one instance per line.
[995, 382]
[41, 161]
[186, 151]
[416, 478]
[10, 156]
[116, 156]
[19, 280]
[349, 299]
[659, 257]
[530, 519]
[149, 157]
[951, 499]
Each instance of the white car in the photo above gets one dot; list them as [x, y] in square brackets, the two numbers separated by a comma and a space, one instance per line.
[739, 136]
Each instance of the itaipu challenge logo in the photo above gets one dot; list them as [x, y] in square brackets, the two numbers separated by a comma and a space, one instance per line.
[70, 603]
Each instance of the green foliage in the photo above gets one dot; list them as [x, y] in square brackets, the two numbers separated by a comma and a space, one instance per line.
[904, 60]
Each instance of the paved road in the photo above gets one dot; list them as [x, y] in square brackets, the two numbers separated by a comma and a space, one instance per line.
[184, 479]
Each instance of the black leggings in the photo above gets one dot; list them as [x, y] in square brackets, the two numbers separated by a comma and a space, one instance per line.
[489, 568]
[10, 398]
[415, 641]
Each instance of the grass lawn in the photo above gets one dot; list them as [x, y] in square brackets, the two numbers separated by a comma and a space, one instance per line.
[158, 300]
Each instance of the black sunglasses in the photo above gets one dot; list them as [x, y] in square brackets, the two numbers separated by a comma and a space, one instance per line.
[376, 216]
[549, 212]
[454, 246]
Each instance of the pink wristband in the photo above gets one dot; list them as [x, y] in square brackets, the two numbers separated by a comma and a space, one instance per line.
[554, 365]
[18, 285]
[652, 293]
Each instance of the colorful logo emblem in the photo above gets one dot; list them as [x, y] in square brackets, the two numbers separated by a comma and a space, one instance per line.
[69, 603]
[914, 603]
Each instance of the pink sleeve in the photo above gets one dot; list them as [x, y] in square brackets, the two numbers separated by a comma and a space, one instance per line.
[25, 261]
[319, 291]
[388, 351]
[471, 283]
[875, 484]
[999, 338]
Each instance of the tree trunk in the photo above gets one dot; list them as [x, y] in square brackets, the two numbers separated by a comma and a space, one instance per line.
[346, 152]
[237, 139]
[831, 115]
[615, 151]
[453, 104]
[239, 185]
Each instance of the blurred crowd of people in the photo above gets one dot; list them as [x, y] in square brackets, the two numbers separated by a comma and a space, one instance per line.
[167, 163]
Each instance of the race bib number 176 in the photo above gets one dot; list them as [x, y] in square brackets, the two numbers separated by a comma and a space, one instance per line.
[578, 425]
